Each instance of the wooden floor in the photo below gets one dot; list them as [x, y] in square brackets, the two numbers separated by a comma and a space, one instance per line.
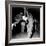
[25, 35]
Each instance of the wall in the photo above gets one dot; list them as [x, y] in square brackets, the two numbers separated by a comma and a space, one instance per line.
[3, 24]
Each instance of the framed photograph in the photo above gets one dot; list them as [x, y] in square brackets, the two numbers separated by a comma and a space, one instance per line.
[25, 22]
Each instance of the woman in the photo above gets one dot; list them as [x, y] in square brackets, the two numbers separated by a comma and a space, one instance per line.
[30, 25]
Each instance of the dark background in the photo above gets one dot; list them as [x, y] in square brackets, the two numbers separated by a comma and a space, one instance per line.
[15, 11]
[34, 11]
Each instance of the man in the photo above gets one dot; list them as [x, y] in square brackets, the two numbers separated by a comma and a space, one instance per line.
[16, 26]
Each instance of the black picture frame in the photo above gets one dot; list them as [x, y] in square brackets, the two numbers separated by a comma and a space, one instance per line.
[6, 37]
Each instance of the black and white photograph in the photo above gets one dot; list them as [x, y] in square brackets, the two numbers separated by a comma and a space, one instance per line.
[25, 22]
